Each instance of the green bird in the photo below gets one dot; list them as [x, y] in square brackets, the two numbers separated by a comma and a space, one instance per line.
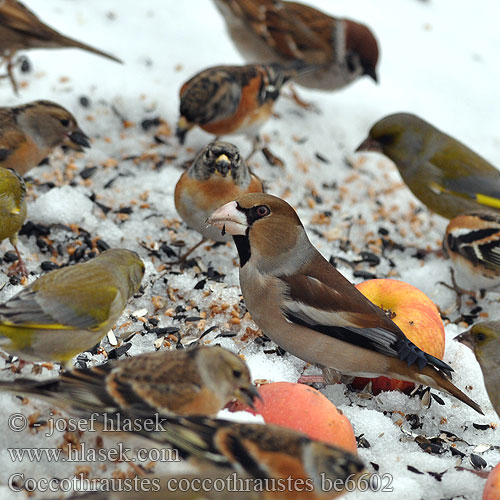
[444, 174]
[69, 310]
[484, 339]
[12, 209]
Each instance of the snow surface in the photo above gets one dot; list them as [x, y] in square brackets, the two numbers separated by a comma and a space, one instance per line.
[439, 59]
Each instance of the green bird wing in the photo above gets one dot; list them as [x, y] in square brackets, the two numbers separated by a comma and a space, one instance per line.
[55, 303]
[466, 175]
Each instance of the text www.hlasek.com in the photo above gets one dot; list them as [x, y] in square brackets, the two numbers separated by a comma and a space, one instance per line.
[81, 453]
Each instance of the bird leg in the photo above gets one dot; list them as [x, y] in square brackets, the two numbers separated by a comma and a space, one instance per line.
[309, 106]
[20, 262]
[183, 258]
[457, 289]
[271, 158]
[10, 74]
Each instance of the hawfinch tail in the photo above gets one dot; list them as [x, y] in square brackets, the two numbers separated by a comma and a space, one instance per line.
[309, 309]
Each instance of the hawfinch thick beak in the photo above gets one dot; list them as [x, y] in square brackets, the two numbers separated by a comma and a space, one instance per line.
[77, 140]
[466, 339]
[370, 144]
[229, 219]
[222, 165]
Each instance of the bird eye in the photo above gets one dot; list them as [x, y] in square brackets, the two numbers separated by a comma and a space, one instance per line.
[236, 373]
[64, 122]
[481, 337]
[263, 210]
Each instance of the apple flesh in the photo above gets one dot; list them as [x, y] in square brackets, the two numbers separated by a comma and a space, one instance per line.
[416, 315]
[492, 487]
[304, 409]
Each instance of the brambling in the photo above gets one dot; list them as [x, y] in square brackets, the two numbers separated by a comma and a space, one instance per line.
[211, 483]
[12, 209]
[472, 241]
[301, 302]
[198, 381]
[232, 99]
[21, 29]
[275, 30]
[265, 452]
[30, 132]
[484, 340]
[69, 310]
[217, 175]
[444, 174]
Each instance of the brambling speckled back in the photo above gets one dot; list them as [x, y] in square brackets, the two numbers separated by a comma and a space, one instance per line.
[217, 175]
[302, 465]
[12, 209]
[232, 99]
[301, 302]
[69, 310]
[20, 29]
[280, 31]
[30, 132]
[472, 241]
[444, 174]
[197, 381]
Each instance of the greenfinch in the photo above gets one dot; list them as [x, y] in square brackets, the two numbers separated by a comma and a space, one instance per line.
[69, 310]
[12, 209]
[484, 339]
[198, 381]
[444, 174]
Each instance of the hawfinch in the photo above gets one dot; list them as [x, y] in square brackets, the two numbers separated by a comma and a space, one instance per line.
[308, 308]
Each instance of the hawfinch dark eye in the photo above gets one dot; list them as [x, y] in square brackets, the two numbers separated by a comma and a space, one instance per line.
[481, 337]
[64, 122]
[237, 373]
[262, 210]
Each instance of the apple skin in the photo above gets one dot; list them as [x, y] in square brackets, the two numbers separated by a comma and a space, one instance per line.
[416, 315]
[492, 488]
[304, 409]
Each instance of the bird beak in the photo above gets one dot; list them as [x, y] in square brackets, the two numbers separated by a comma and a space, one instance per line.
[369, 71]
[248, 395]
[466, 339]
[370, 144]
[77, 140]
[222, 165]
[183, 127]
[229, 219]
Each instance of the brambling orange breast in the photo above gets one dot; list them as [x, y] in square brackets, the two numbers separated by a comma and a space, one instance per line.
[12, 209]
[303, 466]
[29, 133]
[484, 340]
[217, 175]
[198, 381]
[275, 30]
[231, 99]
[308, 308]
[20, 29]
[472, 241]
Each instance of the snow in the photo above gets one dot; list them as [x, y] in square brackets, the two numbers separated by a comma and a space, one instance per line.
[438, 60]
